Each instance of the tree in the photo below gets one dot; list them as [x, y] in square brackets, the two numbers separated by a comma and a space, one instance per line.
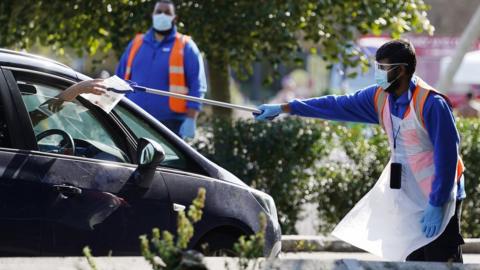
[232, 34]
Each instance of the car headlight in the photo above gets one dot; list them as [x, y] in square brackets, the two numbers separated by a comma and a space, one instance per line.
[266, 201]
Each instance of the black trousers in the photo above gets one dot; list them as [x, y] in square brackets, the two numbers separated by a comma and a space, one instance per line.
[173, 125]
[447, 247]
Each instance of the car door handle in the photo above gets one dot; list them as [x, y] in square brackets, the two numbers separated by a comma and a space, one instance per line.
[178, 207]
[68, 190]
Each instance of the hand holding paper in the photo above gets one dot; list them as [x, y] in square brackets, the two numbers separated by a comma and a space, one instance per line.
[107, 101]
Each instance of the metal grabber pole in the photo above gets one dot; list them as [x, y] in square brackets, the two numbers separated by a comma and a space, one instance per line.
[202, 100]
[121, 86]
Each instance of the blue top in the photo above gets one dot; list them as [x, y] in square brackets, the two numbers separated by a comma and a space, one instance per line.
[439, 122]
[150, 68]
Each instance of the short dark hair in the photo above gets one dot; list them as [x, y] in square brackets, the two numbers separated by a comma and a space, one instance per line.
[165, 2]
[398, 51]
[169, 2]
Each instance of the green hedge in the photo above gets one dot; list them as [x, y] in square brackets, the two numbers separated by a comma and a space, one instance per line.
[470, 150]
[275, 157]
[302, 160]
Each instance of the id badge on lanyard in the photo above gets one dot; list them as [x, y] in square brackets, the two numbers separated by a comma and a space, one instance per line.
[395, 167]
[395, 175]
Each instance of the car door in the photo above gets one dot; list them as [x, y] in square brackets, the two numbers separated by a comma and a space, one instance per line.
[183, 176]
[21, 227]
[87, 194]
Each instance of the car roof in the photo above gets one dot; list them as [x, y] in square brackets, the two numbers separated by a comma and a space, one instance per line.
[15, 59]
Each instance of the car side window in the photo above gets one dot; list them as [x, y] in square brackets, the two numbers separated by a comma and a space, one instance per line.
[141, 129]
[55, 123]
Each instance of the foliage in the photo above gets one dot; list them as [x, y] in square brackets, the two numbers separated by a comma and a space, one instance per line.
[236, 32]
[168, 252]
[275, 157]
[275, 30]
[249, 248]
[469, 130]
[87, 252]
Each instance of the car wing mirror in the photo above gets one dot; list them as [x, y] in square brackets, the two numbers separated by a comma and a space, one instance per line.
[149, 153]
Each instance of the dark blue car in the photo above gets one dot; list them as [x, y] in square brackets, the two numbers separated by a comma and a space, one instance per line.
[81, 177]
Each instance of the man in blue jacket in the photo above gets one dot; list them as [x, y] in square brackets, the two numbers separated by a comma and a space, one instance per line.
[390, 103]
[164, 59]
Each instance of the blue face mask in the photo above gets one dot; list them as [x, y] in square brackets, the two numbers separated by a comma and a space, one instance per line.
[162, 22]
[381, 77]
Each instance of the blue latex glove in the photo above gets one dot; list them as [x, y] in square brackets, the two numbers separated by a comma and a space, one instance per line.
[187, 129]
[432, 220]
[269, 111]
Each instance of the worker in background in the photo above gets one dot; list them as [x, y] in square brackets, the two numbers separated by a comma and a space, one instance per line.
[164, 59]
[413, 211]
[470, 108]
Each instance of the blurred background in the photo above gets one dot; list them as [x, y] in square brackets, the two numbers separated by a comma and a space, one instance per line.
[268, 52]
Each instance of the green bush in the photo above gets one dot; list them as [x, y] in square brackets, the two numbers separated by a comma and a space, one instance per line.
[276, 157]
[469, 130]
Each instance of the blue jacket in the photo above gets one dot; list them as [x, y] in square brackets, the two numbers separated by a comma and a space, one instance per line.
[150, 69]
[439, 122]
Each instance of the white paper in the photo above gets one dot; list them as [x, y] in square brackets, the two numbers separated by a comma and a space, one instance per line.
[118, 84]
[110, 99]
[106, 102]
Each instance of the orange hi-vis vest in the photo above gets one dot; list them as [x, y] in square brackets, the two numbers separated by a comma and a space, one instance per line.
[419, 98]
[177, 81]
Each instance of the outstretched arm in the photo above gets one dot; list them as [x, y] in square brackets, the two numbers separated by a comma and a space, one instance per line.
[357, 107]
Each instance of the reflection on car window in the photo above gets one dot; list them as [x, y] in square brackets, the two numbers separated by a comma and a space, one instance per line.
[90, 135]
[4, 135]
[141, 129]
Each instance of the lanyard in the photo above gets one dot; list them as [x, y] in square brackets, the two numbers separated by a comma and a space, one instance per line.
[397, 132]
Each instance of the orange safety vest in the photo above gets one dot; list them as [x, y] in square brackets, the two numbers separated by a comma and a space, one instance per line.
[177, 81]
[419, 98]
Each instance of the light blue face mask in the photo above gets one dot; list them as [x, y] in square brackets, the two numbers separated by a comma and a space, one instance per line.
[162, 22]
[381, 77]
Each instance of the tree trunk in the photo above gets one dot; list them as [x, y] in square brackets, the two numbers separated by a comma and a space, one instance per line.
[219, 85]
[469, 36]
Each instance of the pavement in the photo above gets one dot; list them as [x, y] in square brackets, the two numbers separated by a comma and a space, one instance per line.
[317, 243]
[361, 256]
[323, 248]
[139, 263]
[299, 252]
